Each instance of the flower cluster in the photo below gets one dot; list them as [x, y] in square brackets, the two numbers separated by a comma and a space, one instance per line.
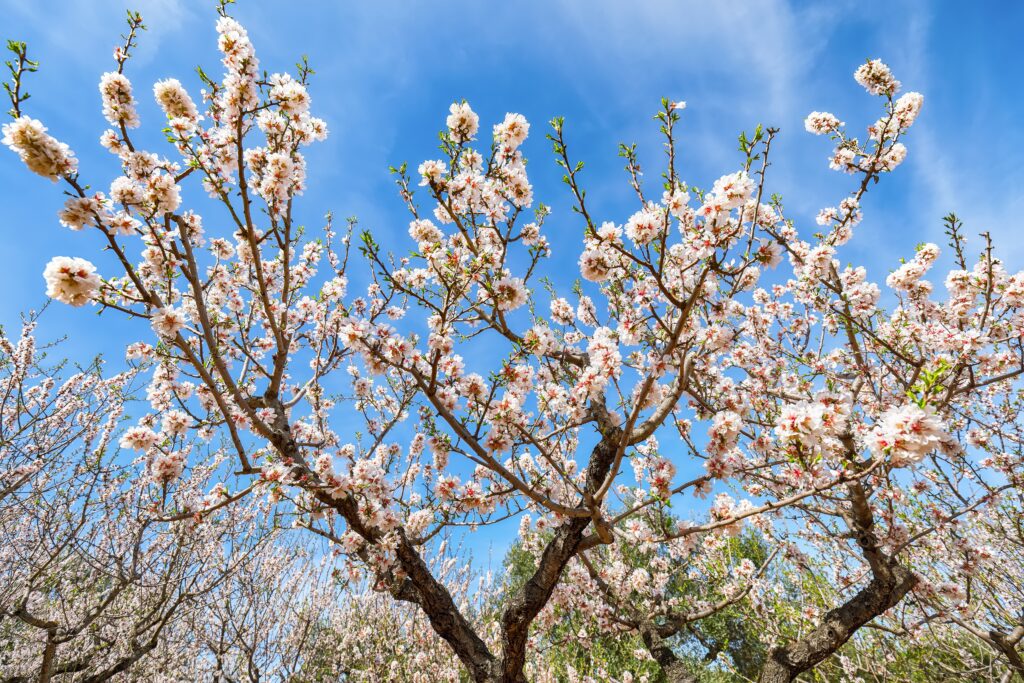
[463, 123]
[118, 103]
[42, 153]
[908, 433]
[71, 280]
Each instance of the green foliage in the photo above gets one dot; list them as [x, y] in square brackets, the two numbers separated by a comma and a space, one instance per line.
[747, 145]
[18, 67]
[929, 384]
[561, 649]
[731, 633]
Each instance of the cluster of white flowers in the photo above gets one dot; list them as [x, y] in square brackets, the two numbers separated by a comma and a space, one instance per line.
[80, 211]
[813, 263]
[594, 265]
[42, 153]
[512, 131]
[605, 365]
[175, 422]
[418, 522]
[821, 122]
[729, 192]
[277, 176]
[907, 109]
[71, 280]
[676, 202]
[861, 296]
[892, 158]
[540, 339]
[722, 465]
[509, 293]
[908, 276]
[876, 78]
[463, 123]
[843, 218]
[425, 233]
[647, 225]
[808, 423]
[290, 95]
[733, 190]
[139, 438]
[603, 352]
[562, 312]
[118, 103]
[724, 432]
[599, 258]
[239, 92]
[167, 322]
[174, 100]
[907, 434]
[660, 478]
[844, 158]
[904, 112]
[166, 467]
[432, 171]
[725, 508]
[163, 193]
[849, 156]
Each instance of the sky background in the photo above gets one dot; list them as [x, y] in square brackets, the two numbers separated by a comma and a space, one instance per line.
[387, 71]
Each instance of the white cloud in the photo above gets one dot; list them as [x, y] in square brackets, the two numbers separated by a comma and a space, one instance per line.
[91, 26]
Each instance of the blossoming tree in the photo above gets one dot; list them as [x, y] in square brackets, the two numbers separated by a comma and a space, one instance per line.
[92, 582]
[476, 392]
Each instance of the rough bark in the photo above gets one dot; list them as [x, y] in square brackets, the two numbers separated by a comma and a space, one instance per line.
[786, 663]
[528, 602]
[890, 582]
[1007, 646]
[46, 668]
[672, 667]
[436, 602]
[419, 585]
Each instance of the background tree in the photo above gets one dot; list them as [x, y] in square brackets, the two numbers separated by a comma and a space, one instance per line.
[91, 580]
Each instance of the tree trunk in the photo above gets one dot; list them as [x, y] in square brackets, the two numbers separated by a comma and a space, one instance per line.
[672, 667]
[531, 598]
[1007, 646]
[890, 582]
[46, 668]
[787, 662]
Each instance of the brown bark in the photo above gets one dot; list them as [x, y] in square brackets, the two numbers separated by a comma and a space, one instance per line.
[890, 582]
[1007, 646]
[46, 667]
[786, 663]
[524, 607]
[436, 602]
[672, 667]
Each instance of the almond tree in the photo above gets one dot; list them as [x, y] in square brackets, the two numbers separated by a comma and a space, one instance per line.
[91, 579]
[474, 391]
[293, 615]
[970, 588]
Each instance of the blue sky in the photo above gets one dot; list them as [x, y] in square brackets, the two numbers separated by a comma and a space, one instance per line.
[387, 71]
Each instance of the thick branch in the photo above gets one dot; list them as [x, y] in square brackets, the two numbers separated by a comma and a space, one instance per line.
[889, 584]
[530, 600]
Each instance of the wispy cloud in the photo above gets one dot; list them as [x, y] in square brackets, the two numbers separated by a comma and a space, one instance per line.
[388, 69]
[84, 26]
